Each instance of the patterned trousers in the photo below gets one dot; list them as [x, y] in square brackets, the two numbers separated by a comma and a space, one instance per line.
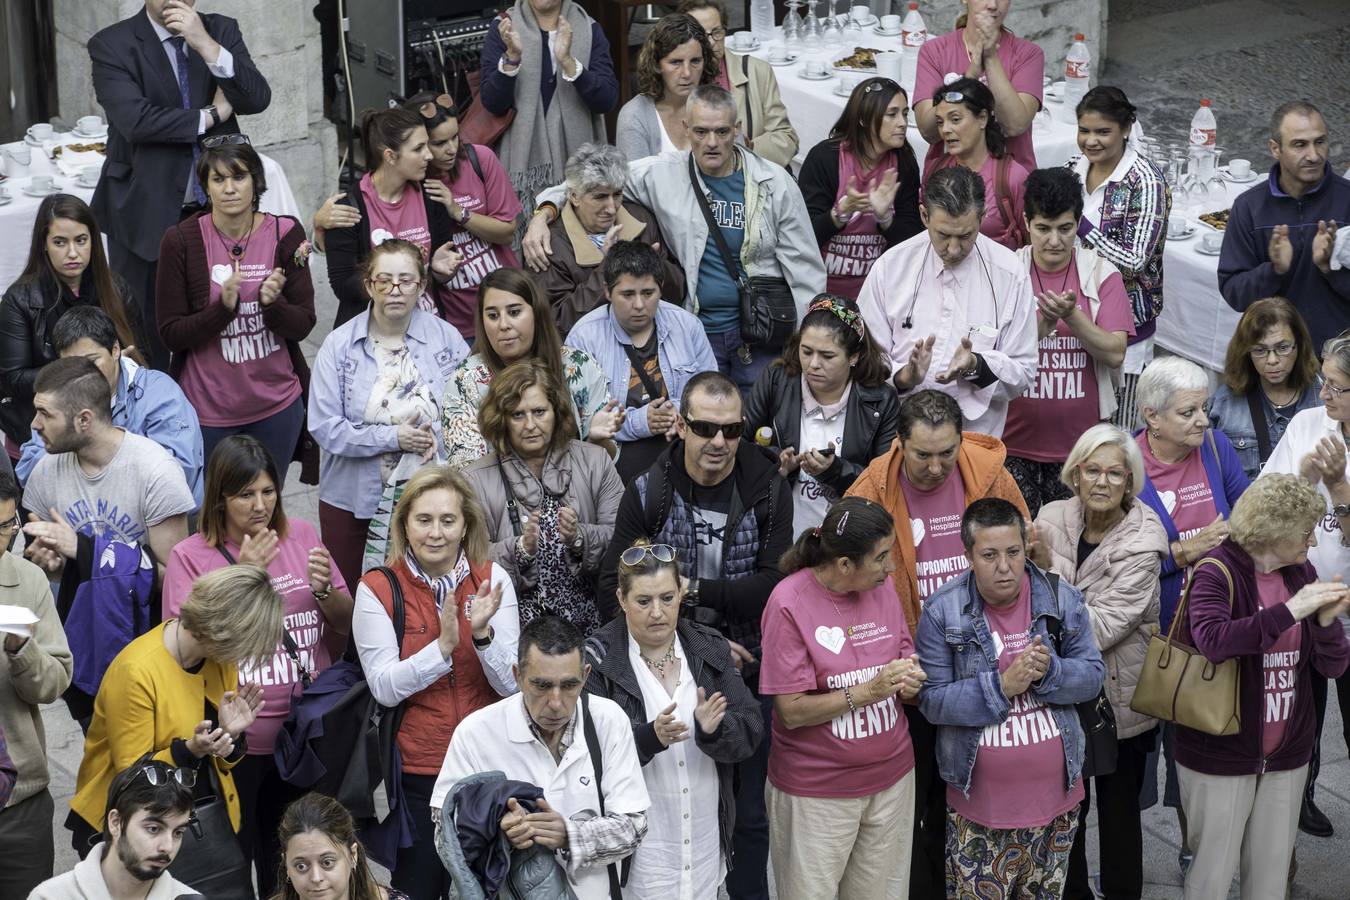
[1008, 863]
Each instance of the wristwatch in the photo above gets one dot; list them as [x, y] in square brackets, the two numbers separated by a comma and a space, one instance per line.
[464, 216]
[214, 114]
[487, 641]
[974, 371]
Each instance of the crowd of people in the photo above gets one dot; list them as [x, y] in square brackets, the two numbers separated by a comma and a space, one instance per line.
[681, 517]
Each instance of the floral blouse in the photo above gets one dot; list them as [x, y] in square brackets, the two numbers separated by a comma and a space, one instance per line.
[469, 385]
[398, 393]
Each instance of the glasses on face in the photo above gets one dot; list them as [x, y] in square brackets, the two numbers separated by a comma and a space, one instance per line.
[634, 556]
[1092, 473]
[158, 773]
[1281, 350]
[385, 285]
[1334, 391]
[12, 525]
[444, 101]
[225, 140]
[708, 430]
[716, 34]
[722, 134]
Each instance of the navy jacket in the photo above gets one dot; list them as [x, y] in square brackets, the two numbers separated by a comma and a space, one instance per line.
[1246, 274]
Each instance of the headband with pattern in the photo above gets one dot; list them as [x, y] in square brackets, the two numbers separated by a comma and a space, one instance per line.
[847, 316]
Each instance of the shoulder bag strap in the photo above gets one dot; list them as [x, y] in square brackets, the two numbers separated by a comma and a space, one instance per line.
[641, 369]
[593, 745]
[511, 509]
[749, 107]
[714, 230]
[287, 642]
[1186, 593]
[397, 592]
[1214, 448]
[472, 154]
[1259, 424]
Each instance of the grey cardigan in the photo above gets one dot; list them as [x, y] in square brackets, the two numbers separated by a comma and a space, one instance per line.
[638, 130]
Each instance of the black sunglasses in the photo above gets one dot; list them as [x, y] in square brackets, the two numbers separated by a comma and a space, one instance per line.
[226, 140]
[730, 430]
[157, 773]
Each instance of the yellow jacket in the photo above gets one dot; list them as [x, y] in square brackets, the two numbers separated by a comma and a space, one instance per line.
[145, 701]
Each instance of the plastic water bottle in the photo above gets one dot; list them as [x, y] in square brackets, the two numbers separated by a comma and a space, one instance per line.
[913, 30]
[1077, 72]
[1204, 130]
[761, 19]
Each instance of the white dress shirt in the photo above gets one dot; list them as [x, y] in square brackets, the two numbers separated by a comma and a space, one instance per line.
[819, 426]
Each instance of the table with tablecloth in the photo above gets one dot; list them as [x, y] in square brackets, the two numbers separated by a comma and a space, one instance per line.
[17, 216]
[813, 106]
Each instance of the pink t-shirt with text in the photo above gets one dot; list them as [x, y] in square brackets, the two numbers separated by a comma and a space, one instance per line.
[935, 524]
[492, 196]
[1281, 665]
[405, 220]
[1063, 400]
[996, 219]
[849, 254]
[823, 641]
[245, 373]
[1020, 769]
[1183, 488]
[1023, 61]
[316, 643]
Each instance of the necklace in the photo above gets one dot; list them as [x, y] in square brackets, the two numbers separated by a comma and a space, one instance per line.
[659, 665]
[237, 248]
[829, 593]
[1040, 282]
[1276, 403]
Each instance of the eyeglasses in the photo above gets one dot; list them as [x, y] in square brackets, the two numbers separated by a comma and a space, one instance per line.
[157, 773]
[226, 140]
[12, 525]
[633, 556]
[1281, 350]
[444, 101]
[952, 97]
[1333, 390]
[385, 285]
[716, 34]
[730, 430]
[1116, 477]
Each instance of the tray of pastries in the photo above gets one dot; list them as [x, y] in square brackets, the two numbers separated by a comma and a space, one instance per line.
[862, 59]
[1216, 220]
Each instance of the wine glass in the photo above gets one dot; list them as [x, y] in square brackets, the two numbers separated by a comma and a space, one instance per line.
[831, 32]
[811, 33]
[792, 24]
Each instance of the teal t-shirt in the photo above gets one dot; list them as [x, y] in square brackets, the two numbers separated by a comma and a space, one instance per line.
[719, 303]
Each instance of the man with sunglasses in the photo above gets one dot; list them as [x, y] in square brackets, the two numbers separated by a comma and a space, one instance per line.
[149, 810]
[165, 77]
[721, 503]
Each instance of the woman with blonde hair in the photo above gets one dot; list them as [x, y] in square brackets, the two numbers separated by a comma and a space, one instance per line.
[454, 655]
[322, 857]
[175, 691]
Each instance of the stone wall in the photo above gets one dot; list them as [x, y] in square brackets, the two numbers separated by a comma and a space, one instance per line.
[1050, 23]
[283, 39]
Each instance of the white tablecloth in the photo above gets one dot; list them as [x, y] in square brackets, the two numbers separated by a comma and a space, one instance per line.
[813, 106]
[17, 216]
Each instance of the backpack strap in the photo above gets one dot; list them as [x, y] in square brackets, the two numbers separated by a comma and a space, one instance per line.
[396, 590]
[472, 154]
[597, 764]
[287, 642]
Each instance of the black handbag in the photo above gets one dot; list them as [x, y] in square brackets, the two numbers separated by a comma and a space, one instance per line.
[210, 858]
[768, 309]
[1096, 717]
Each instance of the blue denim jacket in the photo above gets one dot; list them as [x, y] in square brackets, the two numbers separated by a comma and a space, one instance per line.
[963, 693]
[681, 347]
[340, 385]
[1230, 414]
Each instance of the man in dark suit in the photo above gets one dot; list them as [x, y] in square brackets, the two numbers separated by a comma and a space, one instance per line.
[166, 77]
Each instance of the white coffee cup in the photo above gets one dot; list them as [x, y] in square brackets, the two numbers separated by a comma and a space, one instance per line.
[89, 124]
[890, 23]
[89, 175]
[815, 68]
[1177, 226]
[778, 54]
[1212, 241]
[862, 13]
[40, 184]
[1239, 168]
[41, 131]
[741, 39]
[888, 64]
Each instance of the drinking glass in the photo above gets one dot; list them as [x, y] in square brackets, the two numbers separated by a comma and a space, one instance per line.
[811, 32]
[792, 24]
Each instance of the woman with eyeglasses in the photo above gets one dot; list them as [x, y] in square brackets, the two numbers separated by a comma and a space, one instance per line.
[1270, 375]
[234, 301]
[972, 136]
[242, 522]
[175, 691]
[675, 58]
[378, 380]
[693, 721]
[841, 765]
[515, 322]
[549, 499]
[861, 184]
[829, 405]
[388, 202]
[752, 83]
[470, 182]
[1110, 547]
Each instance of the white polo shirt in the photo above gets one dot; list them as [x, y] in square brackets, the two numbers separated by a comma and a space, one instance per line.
[499, 738]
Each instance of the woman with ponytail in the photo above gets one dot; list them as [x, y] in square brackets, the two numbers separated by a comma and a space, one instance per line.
[972, 136]
[841, 767]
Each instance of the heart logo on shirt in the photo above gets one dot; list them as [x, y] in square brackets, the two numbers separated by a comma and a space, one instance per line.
[831, 638]
[379, 236]
[998, 644]
[1169, 501]
[585, 781]
[220, 273]
[916, 528]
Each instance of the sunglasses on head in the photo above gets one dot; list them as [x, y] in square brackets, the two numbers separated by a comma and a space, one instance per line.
[444, 101]
[225, 140]
[953, 97]
[634, 556]
[730, 430]
[157, 773]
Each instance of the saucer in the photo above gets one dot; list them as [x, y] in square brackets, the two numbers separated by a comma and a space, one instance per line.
[6, 199]
[87, 185]
[55, 189]
[1183, 236]
[1229, 176]
[1202, 249]
[842, 90]
[823, 76]
[884, 33]
[90, 135]
[755, 44]
[791, 58]
[34, 142]
[869, 22]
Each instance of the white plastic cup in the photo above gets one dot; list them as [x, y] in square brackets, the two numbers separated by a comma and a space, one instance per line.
[89, 175]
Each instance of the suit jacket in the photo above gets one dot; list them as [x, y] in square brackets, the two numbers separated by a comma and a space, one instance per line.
[150, 135]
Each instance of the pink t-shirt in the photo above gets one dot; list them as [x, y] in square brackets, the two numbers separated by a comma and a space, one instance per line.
[245, 373]
[316, 643]
[1183, 488]
[1063, 400]
[1281, 664]
[823, 641]
[995, 224]
[849, 254]
[935, 523]
[1023, 61]
[405, 220]
[492, 196]
[1020, 769]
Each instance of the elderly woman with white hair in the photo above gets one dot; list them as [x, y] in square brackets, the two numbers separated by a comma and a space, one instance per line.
[1111, 547]
[593, 218]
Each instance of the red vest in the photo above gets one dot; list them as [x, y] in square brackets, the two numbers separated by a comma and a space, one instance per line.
[431, 715]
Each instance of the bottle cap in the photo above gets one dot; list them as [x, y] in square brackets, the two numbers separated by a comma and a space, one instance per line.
[914, 6]
[1204, 101]
[1078, 37]
[764, 436]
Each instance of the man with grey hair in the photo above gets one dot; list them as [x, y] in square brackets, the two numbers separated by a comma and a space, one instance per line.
[595, 217]
[759, 212]
[952, 309]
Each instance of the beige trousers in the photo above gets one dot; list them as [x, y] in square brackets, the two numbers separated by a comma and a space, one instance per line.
[1241, 824]
[854, 848]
